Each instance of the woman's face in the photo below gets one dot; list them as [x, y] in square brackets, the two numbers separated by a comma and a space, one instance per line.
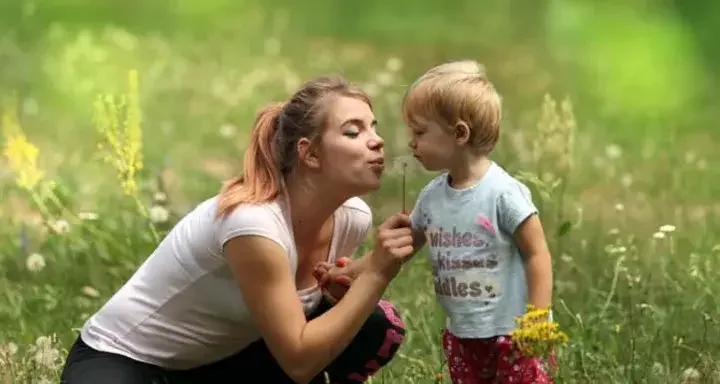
[351, 153]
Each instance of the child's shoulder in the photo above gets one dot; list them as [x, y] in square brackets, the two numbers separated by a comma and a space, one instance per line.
[503, 182]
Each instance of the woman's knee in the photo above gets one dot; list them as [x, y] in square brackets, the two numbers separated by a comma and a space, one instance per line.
[387, 325]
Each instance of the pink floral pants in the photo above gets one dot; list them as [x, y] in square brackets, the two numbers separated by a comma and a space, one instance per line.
[494, 360]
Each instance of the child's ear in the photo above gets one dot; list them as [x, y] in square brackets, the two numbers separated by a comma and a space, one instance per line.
[462, 133]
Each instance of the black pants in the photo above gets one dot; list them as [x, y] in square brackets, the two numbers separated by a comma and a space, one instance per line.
[372, 348]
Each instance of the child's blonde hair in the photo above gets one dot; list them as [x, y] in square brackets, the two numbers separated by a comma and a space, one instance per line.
[454, 92]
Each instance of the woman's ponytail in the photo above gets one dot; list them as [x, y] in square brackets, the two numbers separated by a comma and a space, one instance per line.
[261, 177]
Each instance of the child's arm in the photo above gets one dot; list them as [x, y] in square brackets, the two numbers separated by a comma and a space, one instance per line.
[530, 239]
[519, 217]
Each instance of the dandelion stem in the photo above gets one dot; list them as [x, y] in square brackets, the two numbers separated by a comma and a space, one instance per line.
[404, 169]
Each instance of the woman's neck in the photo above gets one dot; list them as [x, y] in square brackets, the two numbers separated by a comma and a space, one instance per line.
[310, 206]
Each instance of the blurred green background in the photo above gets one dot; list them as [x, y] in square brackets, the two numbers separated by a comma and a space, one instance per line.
[630, 62]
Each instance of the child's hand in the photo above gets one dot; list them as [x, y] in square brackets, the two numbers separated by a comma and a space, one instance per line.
[334, 280]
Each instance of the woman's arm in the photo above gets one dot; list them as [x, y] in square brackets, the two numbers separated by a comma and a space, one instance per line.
[303, 348]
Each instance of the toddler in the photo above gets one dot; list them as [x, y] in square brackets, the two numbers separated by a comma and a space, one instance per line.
[486, 243]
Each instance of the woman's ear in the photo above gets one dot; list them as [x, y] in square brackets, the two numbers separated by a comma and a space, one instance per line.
[307, 153]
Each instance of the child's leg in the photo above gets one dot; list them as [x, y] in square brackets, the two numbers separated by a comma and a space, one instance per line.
[513, 367]
[470, 361]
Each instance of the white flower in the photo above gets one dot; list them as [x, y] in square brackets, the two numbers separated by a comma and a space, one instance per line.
[88, 216]
[228, 130]
[658, 369]
[394, 64]
[60, 226]
[8, 349]
[159, 214]
[659, 235]
[613, 151]
[667, 228]
[35, 262]
[619, 207]
[690, 374]
[45, 354]
[160, 197]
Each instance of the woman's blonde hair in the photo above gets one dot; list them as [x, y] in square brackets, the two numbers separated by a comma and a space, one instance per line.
[272, 151]
[454, 92]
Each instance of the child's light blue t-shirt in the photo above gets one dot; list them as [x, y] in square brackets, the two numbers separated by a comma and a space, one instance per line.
[478, 270]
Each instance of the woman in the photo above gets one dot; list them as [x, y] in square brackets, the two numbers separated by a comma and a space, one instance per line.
[230, 291]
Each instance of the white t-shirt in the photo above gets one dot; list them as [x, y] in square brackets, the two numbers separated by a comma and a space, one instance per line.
[182, 308]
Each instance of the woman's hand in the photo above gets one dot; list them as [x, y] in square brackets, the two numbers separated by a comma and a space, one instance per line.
[335, 279]
[393, 238]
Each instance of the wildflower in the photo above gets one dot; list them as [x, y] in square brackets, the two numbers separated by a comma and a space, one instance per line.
[227, 130]
[536, 334]
[613, 151]
[159, 214]
[8, 349]
[658, 369]
[89, 216]
[60, 226]
[22, 156]
[394, 64]
[667, 228]
[160, 197]
[121, 133]
[690, 374]
[35, 262]
[659, 235]
[619, 207]
[44, 352]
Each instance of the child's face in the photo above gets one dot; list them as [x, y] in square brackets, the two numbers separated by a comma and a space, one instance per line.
[432, 145]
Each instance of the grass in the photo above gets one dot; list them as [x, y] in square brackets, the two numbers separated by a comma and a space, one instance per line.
[632, 224]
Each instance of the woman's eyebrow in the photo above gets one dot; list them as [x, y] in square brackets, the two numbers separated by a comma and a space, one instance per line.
[360, 122]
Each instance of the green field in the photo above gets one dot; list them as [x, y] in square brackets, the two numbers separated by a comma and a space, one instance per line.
[610, 118]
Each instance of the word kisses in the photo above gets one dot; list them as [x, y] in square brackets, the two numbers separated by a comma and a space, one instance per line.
[447, 262]
[455, 238]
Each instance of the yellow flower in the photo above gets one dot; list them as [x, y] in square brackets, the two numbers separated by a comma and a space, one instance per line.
[21, 154]
[536, 335]
[118, 121]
